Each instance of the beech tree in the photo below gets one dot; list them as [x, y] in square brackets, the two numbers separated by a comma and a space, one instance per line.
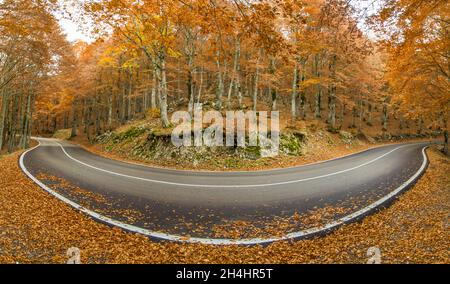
[307, 56]
[417, 39]
[31, 46]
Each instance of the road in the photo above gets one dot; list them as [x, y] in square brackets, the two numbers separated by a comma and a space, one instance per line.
[181, 205]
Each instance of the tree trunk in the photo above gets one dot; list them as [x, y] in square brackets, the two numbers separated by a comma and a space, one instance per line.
[369, 114]
[200, 87]
[446, 127]
[5, 106]
[318, 96]
[302, 91]
[361, 111]
[109, 116]
[88, 119]
[234, 76]
[446, 142]
[13, 124]
[74, 119]
[30, 119]
[384, 117]
[332, 95]
[255, 90]
[190, 85]
[295, 84]
[26, 125]
[97, 120]
[354, 115]
[121, 97]
[129, 102]
[219, 90]
[273, 90]
[342, 115]
[163, 91]
[238, 88]
[154, 87]
[332, 108]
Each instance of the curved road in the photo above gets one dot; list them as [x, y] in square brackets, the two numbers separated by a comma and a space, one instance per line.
[172, 204]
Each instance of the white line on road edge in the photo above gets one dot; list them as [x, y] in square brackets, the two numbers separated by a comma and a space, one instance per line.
[210, 241]
[227, 186]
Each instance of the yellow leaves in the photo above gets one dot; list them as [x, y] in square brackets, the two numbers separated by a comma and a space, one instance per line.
[107, 62]
[156, 18]
[310, 82]
[173, 53]
[130, 64]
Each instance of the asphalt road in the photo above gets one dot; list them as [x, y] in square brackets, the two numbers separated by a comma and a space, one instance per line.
[169, 204]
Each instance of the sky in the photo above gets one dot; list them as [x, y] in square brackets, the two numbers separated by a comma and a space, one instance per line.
[70, 27]
[368, 8]
[73, 32]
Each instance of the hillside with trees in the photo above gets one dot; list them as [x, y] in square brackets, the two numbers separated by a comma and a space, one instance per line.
[225, 132]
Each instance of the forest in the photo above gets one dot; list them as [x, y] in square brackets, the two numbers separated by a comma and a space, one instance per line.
[309, 59]
[137, 132]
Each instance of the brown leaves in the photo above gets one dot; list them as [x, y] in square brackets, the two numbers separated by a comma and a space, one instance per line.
[37, 228]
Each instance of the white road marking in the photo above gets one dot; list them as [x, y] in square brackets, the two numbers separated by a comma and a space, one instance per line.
[226, 186]
[210, 241]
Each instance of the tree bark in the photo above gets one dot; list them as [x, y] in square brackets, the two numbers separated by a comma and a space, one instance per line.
[318, 96]
[190, 85]
[200, 87]
[129, 93]
[13, 124]
[295, 85]
[27, 122]
[163, 91]
[273, 89]
[220, 86]
[302, 90]
[74, 119]
[369, 114]
[332, 95]
[255, 87]
[5, 106]
[235, 77]
[384, 117]
[238, 88]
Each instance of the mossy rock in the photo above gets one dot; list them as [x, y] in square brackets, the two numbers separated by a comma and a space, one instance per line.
[117, 138]
[63, 134]
[302, 135]
[332, 129]
[345, 135]
[161, 132]
[253, 152]
[364, 137]
[133, 132]
[291, 144]
[104, 138]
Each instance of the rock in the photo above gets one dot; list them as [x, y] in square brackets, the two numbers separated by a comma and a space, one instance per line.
[104, 138]
[63, 134]
[364, 137]
[291, 144]
[347, 137]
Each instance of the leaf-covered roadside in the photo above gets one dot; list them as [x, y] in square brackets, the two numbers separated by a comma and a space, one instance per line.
[37, 228]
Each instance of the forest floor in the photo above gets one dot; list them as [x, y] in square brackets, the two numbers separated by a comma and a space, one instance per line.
[37, 228]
